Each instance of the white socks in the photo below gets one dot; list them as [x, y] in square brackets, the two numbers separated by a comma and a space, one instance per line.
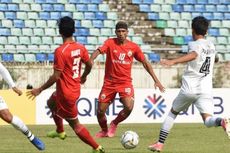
[212, 121]
[19, 125]
[168, 122]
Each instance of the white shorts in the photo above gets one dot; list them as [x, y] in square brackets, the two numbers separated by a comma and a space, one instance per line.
[3, 104]
[203, 102]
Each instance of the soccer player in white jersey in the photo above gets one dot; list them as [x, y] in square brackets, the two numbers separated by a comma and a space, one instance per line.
[6, 115]
[196, 83]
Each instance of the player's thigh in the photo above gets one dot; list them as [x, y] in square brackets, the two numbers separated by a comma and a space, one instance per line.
[51, 102]
[126, 94]
[183, 101]
[205, 104]
[107, 94]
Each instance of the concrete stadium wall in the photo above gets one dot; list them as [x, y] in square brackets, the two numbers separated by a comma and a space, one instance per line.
[36, 74]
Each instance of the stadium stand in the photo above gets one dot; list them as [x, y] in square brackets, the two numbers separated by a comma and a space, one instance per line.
[28, 25]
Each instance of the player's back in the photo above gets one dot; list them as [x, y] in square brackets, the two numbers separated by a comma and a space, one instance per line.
[197, 77]
[68, 59]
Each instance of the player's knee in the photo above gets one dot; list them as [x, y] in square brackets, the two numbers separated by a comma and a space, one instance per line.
[6, 116]
[100, 112]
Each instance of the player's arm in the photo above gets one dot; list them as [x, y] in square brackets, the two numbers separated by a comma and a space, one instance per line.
[88, 67]
[53, 78]
[149, 69]
[183, 59]
[7, 77]
[94, 55]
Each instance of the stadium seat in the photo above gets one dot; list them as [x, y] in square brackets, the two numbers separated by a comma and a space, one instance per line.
[106, 32]
[21, 49]
[10, 48]
[32, 15]
[180, 32]
[50, 57]
[210, 8]
[213, 32]
[5, 32]
[89, 15]
[208, 15]
[16, 31]
[96, 1]
[3, 40]
[177, 8]
[58, 40]
[227, 16]
[169, 32]
[100, 16]
[82, 40]
[92, 7]
[86, 23]
[218, 16]
[6, 57]
[155, 8]
[82, 32]
[183, 24]
[187, 39]
[94, 32]
[19, 58]
[47, 7]
[38, 32]
[178, 40]
[36, 40]
[13, 7]
[10, 15]
[23, 40]
[3, 7]
[98, 24]
[222, 8]
[186, 16]
[70, 14]
[40, 57]
[144, 8]
[40, 1]
[199, 8]
[21, 15]
[188, 8]
[54, 16]
[41, 24]
[103, 7]
[50, 32]
[175, 15]
[27, 32]
[30, 58]
[137, 40]
[164, 16]
[2, 15]
[52, 23]
[190, 1]
[13, 40]
[224, 32]
[153, 16]
[109, 23]
[172, 24]
[36, 7]
[222, 40]
[70, 7]
[19, 24]
[58, 7]
[44, 15]
[92, 40]
[101, 40]
[153, 57]
[78, 15]
[166, 8]
[45, 49]
[81, 7]
[161, 24]
[47, 40]
[202, 1]
[216, 24]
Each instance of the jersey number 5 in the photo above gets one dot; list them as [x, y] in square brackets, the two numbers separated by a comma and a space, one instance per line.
[205, 66]
[76, 63]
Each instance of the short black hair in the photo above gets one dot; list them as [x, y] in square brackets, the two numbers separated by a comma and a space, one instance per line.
[200, 25]
[121, 24]
[66, 26]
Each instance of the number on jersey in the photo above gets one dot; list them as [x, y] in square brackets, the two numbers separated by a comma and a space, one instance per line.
[76, 65]
[205, 66]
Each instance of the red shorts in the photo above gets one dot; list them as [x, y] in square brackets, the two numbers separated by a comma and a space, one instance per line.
[109, 91]
[65, 108]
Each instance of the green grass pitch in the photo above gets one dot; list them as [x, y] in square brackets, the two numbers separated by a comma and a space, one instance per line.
[184, 138]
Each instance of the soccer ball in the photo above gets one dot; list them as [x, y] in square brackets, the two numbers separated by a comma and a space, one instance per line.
[129, 140]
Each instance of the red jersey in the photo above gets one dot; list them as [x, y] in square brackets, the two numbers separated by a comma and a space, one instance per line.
[68, 59]
[119, 59]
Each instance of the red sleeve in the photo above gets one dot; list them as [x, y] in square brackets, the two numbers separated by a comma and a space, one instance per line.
[85, 55]
[104, 48]
[58, 60]
[139, 54]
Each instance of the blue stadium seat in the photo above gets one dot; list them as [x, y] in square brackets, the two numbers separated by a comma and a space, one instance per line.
[202, 2]
[96, 1]
[177, 8]
[148, 1]
[82, 40]
[77, 24]
[213, 1]
[10, 15]
[92, 7]
[199, 8]
[74, 1]
[50, 57]
[84, 1]
[58, 7]
[51, 1]
[213, 32]
[44, 15]
[98, 24]
[187, 39]
[19, 24]
[89, 15]
[188, 8]
[227, 16]
[5, 32]
[191, 1]
[224, 1]
[222, 8]
[82, 32]
[40, 1]
[47, 7]
[195, 14]
[210, 8]
[144, 8]
[218, 16]
[180, 1]
[208, 16]
[7, 57]
[153, 16]
[3, 7]
[67, 14]
[40, 57]
[13, 7]
[55, 15]
[153, 57]
[100, 16]
[136, 1]
[81, 7]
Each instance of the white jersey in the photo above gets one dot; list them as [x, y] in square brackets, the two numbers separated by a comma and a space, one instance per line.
[197, 78]
[6, 76]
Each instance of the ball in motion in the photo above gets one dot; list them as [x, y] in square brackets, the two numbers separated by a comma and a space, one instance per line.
[129, 139]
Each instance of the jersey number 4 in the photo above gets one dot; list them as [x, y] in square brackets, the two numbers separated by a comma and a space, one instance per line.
[205, 66]
[76, 65]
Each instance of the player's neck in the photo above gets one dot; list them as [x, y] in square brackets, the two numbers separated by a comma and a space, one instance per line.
[122, 42]
[198, 37]
[67, 39]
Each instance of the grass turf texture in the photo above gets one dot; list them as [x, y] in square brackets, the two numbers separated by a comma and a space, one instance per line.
[184, 138]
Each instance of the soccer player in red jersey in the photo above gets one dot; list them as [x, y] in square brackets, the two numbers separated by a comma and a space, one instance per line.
[120, 53]
[68, 59]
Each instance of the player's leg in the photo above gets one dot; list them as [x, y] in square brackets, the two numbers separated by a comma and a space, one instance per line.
[107, 95]
[128, 103]
[84, 135]
[19, 125]
[181, 103]
[59, 132]
[205, 105]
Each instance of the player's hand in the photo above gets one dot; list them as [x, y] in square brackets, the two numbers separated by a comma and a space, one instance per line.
[16, 90]
[160, 86]
[31, 94]
[83, 79]
[166, 62]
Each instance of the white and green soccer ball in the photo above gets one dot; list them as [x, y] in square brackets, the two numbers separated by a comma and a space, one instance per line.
[129, 139]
